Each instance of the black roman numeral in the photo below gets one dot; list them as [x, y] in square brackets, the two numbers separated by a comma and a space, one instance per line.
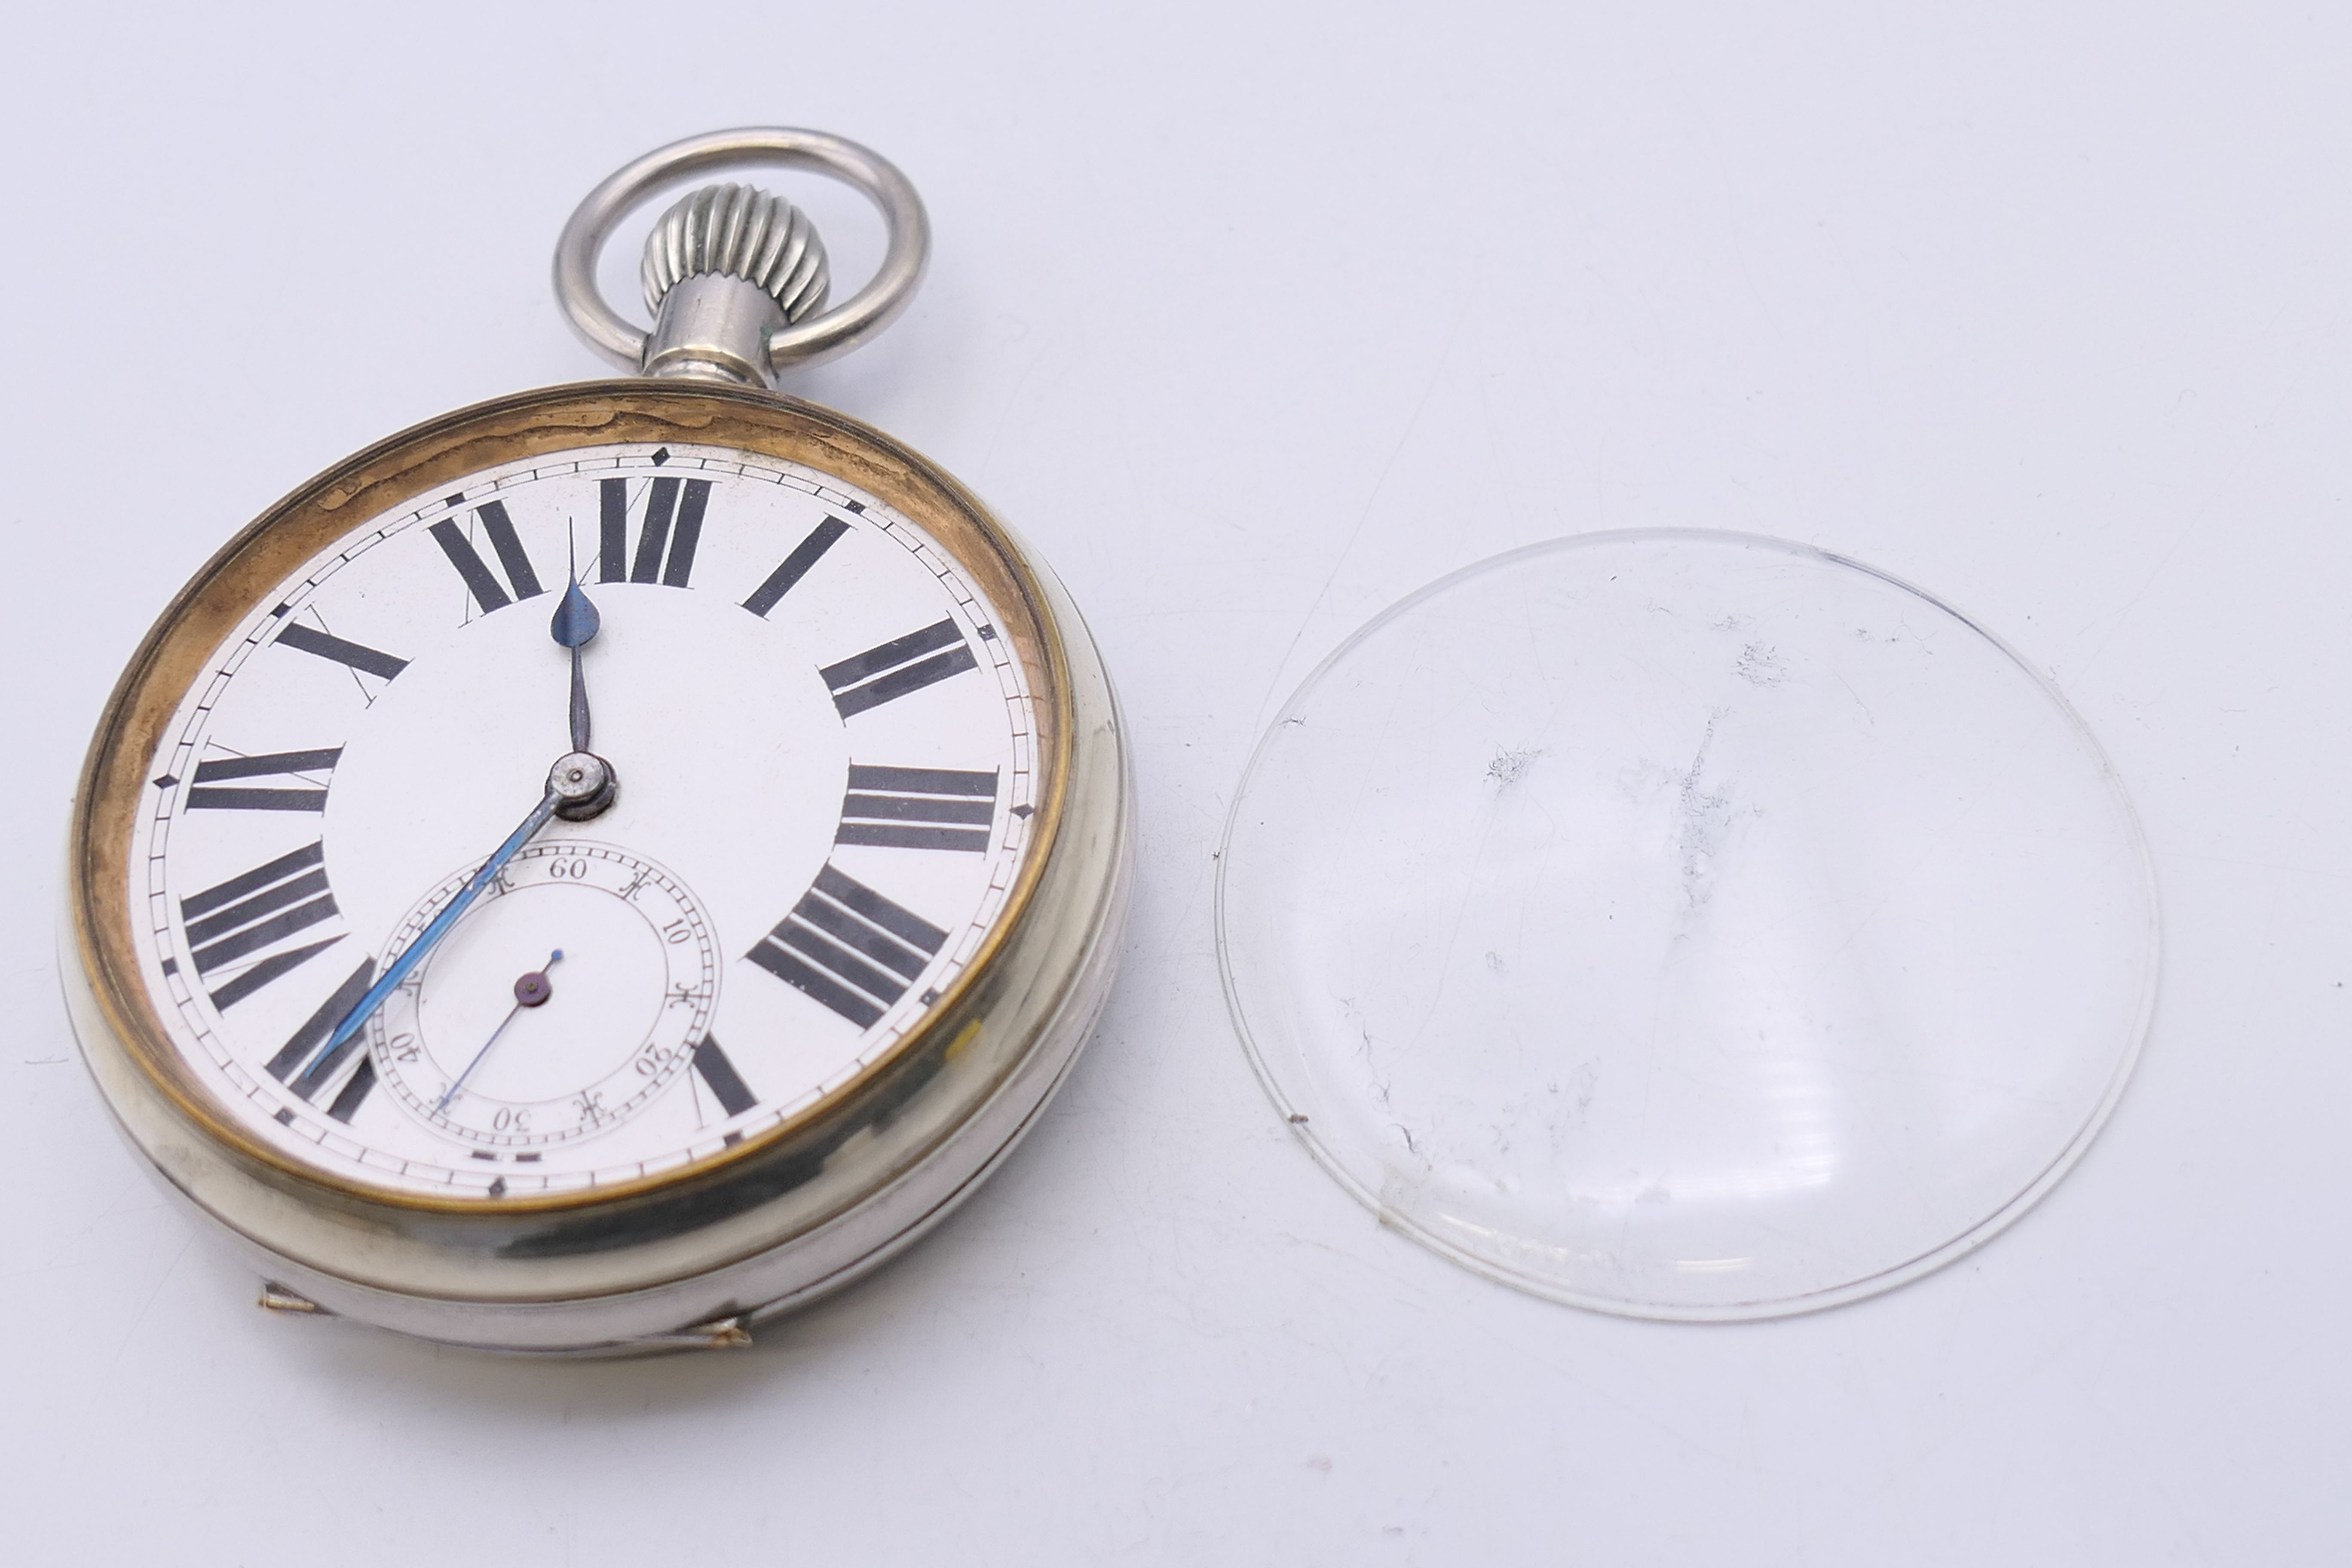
[726, 1084]
[899, 666]
[666, 540]
[849, 947]
[249, 912]
[806, 554]
[206, 792]
[917, 808]
[347, 1104]
[480, 580]
[314, 1032]
[357, 656]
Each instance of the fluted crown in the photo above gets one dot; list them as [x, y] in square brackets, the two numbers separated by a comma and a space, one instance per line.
[742, 232]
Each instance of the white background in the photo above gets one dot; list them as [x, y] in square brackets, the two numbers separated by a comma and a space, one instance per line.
[1253, 318]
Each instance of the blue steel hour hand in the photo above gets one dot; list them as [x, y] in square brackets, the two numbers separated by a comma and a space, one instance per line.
[574, 627]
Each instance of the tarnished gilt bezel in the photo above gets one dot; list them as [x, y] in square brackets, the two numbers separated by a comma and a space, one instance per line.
[419, 462]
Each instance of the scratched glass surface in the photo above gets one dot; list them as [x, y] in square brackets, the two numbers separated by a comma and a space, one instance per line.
[1686, 924]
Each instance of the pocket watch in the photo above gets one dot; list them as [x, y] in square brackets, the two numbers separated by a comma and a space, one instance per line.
[611, 864]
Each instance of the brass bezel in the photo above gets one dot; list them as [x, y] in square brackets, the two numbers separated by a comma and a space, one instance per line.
[417, 462]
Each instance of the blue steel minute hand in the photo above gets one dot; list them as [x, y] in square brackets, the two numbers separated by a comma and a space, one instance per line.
[332, 1054]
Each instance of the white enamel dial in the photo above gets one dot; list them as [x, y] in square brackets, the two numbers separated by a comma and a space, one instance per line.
[826, 750]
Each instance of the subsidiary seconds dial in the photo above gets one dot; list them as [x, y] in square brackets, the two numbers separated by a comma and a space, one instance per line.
[584, 987]
[822, 771]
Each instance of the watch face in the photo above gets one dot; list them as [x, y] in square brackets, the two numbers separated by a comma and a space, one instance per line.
[825, 747]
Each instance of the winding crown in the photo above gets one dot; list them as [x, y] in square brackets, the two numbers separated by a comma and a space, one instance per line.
[742, 232]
